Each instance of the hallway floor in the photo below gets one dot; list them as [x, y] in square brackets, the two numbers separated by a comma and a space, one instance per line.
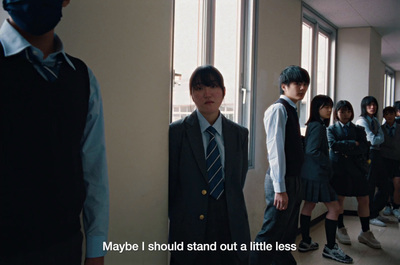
[389, 237]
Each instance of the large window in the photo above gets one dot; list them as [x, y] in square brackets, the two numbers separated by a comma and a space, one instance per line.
[220, 33]
[389, 87]
[317, 57]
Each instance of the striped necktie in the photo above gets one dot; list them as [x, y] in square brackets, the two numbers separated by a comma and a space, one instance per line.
[214, 166]
[346, 130]
[373, 125]
[51, 73]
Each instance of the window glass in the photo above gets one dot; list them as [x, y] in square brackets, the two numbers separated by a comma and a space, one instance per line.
[306, 63]
[322, 75]
[216, 33]
[317, 57]
[389, 88]
[226, 53]
[187, 50]
[220, 33]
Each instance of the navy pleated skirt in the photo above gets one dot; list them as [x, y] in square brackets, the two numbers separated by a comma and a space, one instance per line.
[317, 191]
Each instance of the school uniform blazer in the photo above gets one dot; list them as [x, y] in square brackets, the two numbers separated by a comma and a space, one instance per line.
[346, 157]
[188, 183]
[317, 165]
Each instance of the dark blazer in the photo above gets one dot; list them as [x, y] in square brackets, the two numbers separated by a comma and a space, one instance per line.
[316, 160]
[188, 184]
[346, 157]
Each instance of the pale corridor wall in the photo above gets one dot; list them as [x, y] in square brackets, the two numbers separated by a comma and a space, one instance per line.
[278, 45]
[360, 72]
[127, 44]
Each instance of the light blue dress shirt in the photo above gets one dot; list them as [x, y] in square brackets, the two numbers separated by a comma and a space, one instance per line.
[275, 119]
[342, 124]
[95, 173]
[375, 138]
[204, 124]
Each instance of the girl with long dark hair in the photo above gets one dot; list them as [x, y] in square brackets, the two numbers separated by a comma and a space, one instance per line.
[378, 200]
[316, 175]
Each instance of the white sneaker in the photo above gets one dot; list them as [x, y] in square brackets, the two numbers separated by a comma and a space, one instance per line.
[377, 222]
[383, 219]
[342, 236]
[336, 253]
[304, 247]
[387, 211]
[369, 239]
[396, 213]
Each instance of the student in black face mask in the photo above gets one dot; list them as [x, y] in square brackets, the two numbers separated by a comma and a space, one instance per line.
[52, 150]
[33, 16]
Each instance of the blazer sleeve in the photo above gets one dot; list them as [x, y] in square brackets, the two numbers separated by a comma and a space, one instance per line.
[245, 155]
[364, 145]
[314, 142]
[374, 139]
[338, 145]
[175, 142]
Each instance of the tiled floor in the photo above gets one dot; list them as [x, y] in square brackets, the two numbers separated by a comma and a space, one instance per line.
[389, 237]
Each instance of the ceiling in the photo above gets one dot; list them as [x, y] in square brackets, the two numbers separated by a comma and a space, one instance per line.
[382, 15]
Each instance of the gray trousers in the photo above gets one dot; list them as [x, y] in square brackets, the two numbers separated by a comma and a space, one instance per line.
[279, 227]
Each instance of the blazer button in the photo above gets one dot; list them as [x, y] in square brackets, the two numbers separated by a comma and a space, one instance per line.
[201, 217]
[204, 192]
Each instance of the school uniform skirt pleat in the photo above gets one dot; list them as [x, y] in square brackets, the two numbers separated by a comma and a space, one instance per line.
[317, 191]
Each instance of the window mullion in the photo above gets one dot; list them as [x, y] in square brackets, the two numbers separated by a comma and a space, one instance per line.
[242, 64]
[209, 31]
[314, 74]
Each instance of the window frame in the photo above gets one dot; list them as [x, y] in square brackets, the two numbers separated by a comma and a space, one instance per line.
[319, 24]
[389, 89]
[244, 107]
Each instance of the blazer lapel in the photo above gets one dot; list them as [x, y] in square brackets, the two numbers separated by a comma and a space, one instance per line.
[339, 131]
[352, 131]
[229, 148]
[196, 142]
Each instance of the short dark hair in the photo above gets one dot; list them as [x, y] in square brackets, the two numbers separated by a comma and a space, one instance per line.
[368, 100]
[389, 110]
[397, 105]
[317, 103]
[293, 73]
[206, 75]
[345, 105]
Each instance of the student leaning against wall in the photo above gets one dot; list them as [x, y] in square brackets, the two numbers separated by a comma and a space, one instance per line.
[52, 150]
[208, 156]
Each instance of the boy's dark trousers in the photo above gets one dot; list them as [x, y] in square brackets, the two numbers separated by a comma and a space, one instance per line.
[279, 227]
[377, 178]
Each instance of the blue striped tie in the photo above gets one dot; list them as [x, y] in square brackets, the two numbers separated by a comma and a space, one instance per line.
[346, 130]
[51, 73]
[214, 166]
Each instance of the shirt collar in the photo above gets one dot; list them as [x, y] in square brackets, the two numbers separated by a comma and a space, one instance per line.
[13, 43]
[388, 126]
[289, 101]
[369, 118]
[341, 124]
[204, 124]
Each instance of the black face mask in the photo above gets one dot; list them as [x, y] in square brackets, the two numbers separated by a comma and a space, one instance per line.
[34, 16]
